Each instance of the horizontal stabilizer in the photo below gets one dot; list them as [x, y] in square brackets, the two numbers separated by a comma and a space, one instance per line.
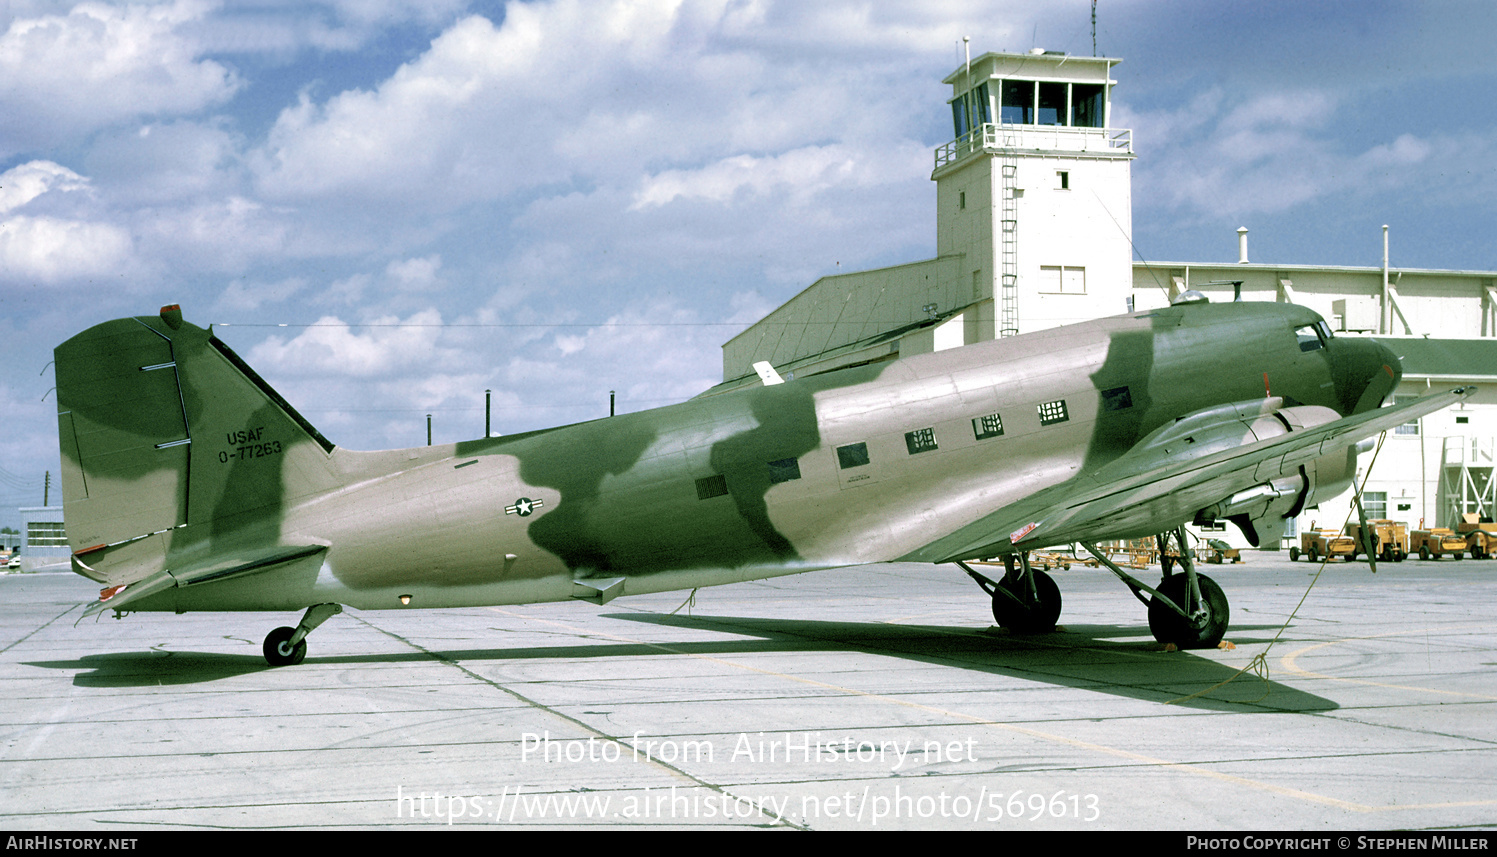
[220, 567]
[598, 591]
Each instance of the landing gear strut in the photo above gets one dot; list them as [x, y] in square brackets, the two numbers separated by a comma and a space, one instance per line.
[288, 646]
[1026, 600]
[1188, 609]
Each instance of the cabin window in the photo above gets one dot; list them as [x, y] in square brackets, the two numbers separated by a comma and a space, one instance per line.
[1117, 399]
[988, 426]
[852, 455]
[1310, 337]
[1053, 412]
[784, 470]
[920, 440]
[711, 486]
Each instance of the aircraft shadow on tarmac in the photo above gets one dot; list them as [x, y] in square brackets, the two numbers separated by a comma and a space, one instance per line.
[1079, 656]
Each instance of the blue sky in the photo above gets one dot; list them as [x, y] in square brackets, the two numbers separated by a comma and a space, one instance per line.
[556, 199]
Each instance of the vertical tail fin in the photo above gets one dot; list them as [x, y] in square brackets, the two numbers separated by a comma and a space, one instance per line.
[169, 438]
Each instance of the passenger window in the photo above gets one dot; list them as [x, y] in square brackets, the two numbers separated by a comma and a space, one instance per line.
[988, 426]
[852, 455]
[784, 470]
[1053, 412]
[920, 440]
[711, 486]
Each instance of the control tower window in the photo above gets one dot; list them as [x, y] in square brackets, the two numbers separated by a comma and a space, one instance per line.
[1018, 102]
[971, 111]
[1052, 104]
[1086, 105]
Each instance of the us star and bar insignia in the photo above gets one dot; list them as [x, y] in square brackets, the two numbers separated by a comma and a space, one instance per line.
[523, 506]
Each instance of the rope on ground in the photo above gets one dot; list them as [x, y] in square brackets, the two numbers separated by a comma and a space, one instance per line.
[1259, 664]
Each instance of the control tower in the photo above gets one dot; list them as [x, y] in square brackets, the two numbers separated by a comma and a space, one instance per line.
[1035, 191]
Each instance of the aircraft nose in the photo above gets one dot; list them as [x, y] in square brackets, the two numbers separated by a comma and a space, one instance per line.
[1367, 374]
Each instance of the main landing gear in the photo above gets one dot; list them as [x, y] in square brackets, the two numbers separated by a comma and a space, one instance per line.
[288, 646]
[1026, 600]
[1187, 609]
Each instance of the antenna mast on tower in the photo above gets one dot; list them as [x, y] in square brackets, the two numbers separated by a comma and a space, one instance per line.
[1094, 27]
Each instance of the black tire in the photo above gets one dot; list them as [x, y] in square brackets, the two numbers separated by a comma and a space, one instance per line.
[1170, 627]
[1424, 552]
[276, 652]
[1294, 554]
[1035, 619]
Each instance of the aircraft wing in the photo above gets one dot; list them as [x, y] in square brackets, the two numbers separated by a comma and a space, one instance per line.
[1148, 490]
[233, 563]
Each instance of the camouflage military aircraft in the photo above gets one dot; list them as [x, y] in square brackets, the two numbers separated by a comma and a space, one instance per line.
[189, 484]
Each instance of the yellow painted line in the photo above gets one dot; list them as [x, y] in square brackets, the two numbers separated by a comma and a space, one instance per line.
[1018, 730]
[1289, 663]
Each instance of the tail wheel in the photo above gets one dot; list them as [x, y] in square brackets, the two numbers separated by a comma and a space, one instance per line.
[1019, 614]
[1202, 633]
[278, 649]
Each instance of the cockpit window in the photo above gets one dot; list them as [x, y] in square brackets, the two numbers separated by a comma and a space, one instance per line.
[1312, 336]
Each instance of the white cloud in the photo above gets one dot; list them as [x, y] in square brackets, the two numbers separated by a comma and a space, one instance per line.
[244, 295]
[802, 171]
[63, 75]
[330, 347]
[414, 274]
[21, 184]
[48, 248]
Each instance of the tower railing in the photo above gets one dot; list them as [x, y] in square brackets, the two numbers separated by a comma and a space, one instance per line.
[1056, 138]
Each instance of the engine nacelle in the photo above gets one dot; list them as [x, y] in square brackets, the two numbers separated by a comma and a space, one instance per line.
[1260, 511]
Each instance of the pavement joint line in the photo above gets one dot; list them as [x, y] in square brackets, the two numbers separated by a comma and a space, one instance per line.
[1288, 662]
[623, 742]
[1150, 761]
[40, 628]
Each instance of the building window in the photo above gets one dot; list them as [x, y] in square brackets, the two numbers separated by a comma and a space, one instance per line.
[1375, 504]
[852, 455]
[1063, 179]
[920, 440]
[1412, 426]
[1062, 279]
[1052, 104]
[1087, 103]
[988, 426]
[45, 534]
[711, 486]
[1018, 102]
[784, 470]
[1053, 412]
[970, 111]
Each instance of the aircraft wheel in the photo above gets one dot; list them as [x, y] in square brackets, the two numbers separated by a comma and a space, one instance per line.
[277, 651]
[1031, 619]
[1170, 627]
